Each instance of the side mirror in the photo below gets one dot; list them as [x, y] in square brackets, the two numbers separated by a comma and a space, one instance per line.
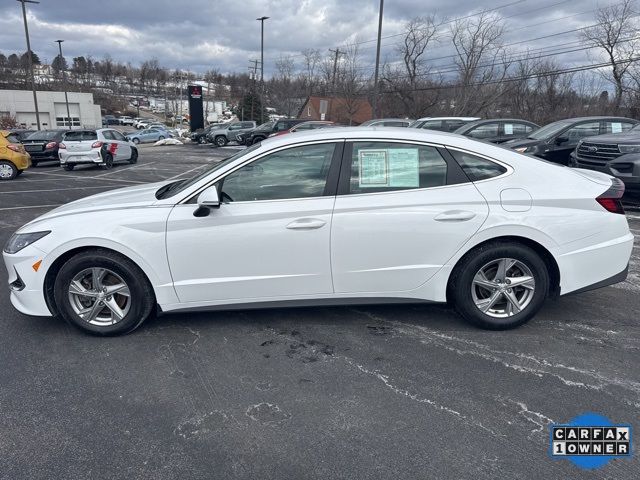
[209, 198]
[561, 139]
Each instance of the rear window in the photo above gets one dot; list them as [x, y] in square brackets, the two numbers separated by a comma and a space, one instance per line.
[477, 168]
[44, 135]
[80, 136]
[12, 138]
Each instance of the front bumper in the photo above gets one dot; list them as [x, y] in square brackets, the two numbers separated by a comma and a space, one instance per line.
[92, 156]
[27, 285]
[625, 167]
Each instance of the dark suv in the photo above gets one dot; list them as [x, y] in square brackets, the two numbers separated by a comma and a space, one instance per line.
[263, 131]
[43, 146]
[616, 154]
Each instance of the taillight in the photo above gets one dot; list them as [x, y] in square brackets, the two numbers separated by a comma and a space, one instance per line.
[97, 144]
[50, 145]
[62, 146]
[610, 199]
[14, 147]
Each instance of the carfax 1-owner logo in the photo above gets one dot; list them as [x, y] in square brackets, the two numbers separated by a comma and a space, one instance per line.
[590, 441]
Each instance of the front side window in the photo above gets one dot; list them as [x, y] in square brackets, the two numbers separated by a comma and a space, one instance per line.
[387, 167]
[118, 136]
[433, 125]
[488, 130]
[517, 128]
[298, 172]
[582, 130]
[477, 168]
[108, 134]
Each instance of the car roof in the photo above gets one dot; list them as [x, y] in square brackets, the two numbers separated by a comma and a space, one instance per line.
[468, 119]
[492, 120]
[595, 117]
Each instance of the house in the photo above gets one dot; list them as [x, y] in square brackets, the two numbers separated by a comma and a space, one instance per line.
[347, 111]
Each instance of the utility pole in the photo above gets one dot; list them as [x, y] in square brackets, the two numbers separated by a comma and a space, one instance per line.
[261, 20]
[64, 82]
[375, 79]
[335, 65]
[254, 77]
[33, 79]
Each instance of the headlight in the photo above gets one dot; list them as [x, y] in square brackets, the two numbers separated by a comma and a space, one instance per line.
[629, 148]
[521, 149]
[22, 240]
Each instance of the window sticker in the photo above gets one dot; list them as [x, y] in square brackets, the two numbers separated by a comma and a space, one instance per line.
[508, 128]
[374, 168]
[404, 167]
[616, 127]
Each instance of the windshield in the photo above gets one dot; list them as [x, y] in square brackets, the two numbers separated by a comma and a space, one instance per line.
[416, 124]
[45, 135]
[171, 189]
[267, 125]
[548, 130]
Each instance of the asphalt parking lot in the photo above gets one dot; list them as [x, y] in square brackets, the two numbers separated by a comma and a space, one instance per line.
[342, 393]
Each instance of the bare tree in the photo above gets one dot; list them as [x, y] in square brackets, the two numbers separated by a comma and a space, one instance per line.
[615, 34]
[349, 85]
[309, 75]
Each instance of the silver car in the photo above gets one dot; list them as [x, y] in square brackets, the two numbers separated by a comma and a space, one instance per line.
[227, 133]
[102, 147]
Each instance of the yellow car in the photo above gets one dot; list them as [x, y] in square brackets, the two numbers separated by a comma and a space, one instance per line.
[13, 157]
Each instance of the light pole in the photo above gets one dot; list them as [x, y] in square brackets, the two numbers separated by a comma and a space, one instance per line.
[375, 78]
[33, 80]
[64, 82]
[261, 20]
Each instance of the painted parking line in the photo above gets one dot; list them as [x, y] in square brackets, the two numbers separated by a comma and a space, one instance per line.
[187, 172]
[79, 178]
[124, 169]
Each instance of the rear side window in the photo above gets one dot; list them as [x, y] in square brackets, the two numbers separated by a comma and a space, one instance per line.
[80, 136]
[388, 167]
[433, 125]
[12, 138]
[617, 127]
[488, 130]
[477, 168]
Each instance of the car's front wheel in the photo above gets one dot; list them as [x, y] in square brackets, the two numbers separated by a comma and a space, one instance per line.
[500, 285]
[103, 293]
[202, 140]
[221, 141]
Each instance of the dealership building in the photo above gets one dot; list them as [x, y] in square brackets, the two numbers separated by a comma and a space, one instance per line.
[53, 109]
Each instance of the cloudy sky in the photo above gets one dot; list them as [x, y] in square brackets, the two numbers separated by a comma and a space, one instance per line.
[202, 34]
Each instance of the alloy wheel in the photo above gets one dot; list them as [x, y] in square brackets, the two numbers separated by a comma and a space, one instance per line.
[6, 171]
[503, 287]
[99, 296]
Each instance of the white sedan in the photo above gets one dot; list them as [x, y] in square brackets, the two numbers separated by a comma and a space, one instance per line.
[332, 216]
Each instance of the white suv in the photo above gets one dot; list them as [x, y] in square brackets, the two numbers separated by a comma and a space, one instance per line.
[100, 147]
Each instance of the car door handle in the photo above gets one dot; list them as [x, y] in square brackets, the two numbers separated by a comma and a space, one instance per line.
[455, 216]
[306, 224]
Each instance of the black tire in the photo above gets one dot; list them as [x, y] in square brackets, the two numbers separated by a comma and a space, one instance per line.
[142, 296]
[134, 156]
[202, 140]
[34, 163]
[68, 167]
[136, 141]
[108, 162]
[461, 284]
[221, 140]
[256, 140]
[8, 170]
[160, 137]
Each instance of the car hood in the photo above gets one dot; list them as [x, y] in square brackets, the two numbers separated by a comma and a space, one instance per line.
[525, 142]
[122, 198]
[629, 137]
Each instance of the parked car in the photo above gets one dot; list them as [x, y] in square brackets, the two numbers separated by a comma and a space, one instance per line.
[616, 154]
[102, 147]
[387, 122]
[304, 126]
[148, 136]
[200, 136]
[442, 124]
[156, 126]
[497, 130]
[556, 141]
[13, 157]
[109, 120]
[21, 133]
[507, 232]
[125, 120]
[266, 129]
[144, 123]
[227, 133]
[43, 146]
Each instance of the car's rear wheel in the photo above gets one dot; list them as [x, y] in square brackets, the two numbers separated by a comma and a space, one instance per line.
[108, 162]
[221, 141]
[8, 170]
[103, 293]
[500, 285]
[136, 141]
[68, 167]
[257, 140]
[134, 156]
[160, 137]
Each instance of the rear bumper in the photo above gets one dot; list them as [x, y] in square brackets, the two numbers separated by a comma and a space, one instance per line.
[625, 167]
[92, 156]
[595, 266]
